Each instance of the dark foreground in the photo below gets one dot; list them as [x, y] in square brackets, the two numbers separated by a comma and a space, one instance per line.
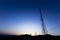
[29, 37]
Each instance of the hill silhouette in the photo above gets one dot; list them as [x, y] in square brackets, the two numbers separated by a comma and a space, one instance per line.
[29, 37]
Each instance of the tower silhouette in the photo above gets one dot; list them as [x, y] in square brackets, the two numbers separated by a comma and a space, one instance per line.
[44, 30]
[35, 33]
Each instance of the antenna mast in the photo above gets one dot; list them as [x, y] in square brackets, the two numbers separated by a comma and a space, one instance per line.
[44, 30]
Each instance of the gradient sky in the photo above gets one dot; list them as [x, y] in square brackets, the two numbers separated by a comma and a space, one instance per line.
[22, 16]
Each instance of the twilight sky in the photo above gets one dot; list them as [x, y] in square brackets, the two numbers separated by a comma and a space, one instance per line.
[22, 16]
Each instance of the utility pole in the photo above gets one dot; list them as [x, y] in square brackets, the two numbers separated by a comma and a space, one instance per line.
[35, 33]
[44, 30]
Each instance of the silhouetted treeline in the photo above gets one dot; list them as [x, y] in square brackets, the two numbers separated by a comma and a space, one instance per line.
[29, 37]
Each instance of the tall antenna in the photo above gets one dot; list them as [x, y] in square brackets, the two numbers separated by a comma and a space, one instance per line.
[44, 30]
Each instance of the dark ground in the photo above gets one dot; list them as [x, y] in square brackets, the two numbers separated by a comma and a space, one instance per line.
[29, 37]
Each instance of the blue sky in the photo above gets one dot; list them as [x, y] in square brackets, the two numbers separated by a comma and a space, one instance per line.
[16, 14]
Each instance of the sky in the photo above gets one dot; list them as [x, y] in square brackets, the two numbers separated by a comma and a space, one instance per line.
[22, 16]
